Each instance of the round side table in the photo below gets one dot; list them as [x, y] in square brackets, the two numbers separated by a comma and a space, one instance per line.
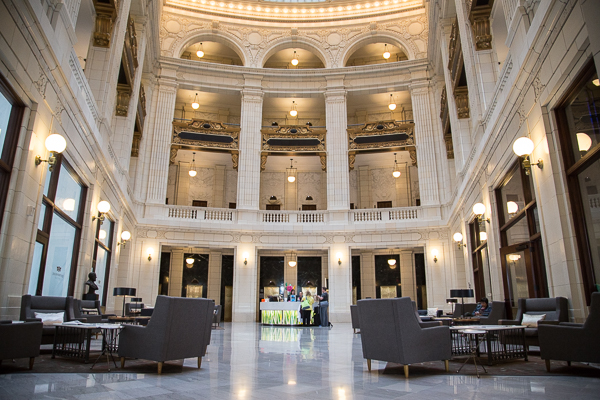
[473, 337]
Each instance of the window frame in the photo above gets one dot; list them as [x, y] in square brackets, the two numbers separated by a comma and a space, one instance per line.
[98, 243]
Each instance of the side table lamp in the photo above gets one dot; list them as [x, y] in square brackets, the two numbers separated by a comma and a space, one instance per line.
[123, 291]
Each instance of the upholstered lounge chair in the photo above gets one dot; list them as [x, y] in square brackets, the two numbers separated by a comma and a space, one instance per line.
[424, 320]
[354, 317]
[555, 308]
[47, 304]
[572, 342]
[498, 312]
[20, 340]
[180, 328]
[82, 307]
[390, 332]
[459, 311]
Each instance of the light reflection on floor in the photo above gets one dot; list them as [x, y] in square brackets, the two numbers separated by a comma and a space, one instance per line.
[248, 361]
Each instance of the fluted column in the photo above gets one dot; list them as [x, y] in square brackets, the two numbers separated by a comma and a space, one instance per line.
[338, 180]
[248, 189]
[163, 112]
[425, 131]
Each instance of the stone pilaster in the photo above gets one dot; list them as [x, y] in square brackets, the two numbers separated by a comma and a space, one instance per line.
[176, 273]
[425, 138]
[407, 275]
[245, 284]
[367, 275]
[340, 287]
[248, 190]
[213, 291]
[163, 112]
[338, 180]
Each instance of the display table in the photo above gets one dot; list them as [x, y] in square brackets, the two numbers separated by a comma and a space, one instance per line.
[279, 313]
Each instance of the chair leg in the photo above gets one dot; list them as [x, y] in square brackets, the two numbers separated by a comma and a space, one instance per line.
[160, 365]
[406, 371]
[31, 361]
[122, 362]
[199, 361]
[447, 365]
[547, 365]
[369, 364]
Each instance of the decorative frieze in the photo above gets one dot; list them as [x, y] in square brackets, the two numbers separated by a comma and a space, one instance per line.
[106, 12]
[201, 133]
[293, 138]
[135, 145]
[461, 97]
[480, 23]
[123, 97]
[381, 134]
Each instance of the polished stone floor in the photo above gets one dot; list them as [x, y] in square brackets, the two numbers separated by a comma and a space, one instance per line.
[248, 361]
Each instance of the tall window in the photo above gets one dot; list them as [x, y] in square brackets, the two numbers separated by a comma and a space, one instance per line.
[480, 259]
[521, 251]
[59, 232]
[11, 114]
[102, 256]
[579, 134]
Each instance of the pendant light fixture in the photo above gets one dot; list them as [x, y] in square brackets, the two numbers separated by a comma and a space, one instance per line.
[392, 105]
[386, 53]
[293, 111]
[192, 170]
[291, 172]
[190, 262]
[200, 52]
[396, 173]
[195, 104]
[295, 60]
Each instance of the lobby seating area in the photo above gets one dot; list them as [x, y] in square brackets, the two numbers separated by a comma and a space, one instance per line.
[20, 340]
[30, 305]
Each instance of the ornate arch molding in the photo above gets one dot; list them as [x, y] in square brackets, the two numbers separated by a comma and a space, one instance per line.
[298, 42]
[381, 37]
[202, 34]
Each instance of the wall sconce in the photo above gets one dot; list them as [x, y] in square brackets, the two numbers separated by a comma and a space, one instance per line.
[523, 147]
[435, 254]
[150, 252]
[103, 208]
[125, 236]
[458, 237]
[245, 255]
[479, 210]
[339, 257]
[392, 262]
[55, 144]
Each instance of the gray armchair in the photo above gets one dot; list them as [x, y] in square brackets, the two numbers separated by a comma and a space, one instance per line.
[47, 304]
[82, 307]
[572, 342]
[424, 320]
[390, 332]
[179, 328]
[354, 316]
[498, 312]
[555, 308]
[217, 316]
[20, 340]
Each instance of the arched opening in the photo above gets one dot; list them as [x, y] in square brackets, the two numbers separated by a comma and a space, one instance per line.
[284, 59]
[212, 52]
[376, 53]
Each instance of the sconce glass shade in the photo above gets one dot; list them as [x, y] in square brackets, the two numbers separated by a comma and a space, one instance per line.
[125, 235]
[189, 261]
[392, 261]
[200, 52]
[482, 236]
[523, 146]
[584, 142]
[195, 104]
[435, 252]
[69, 205]
[478, 209]
[103, 207]
[245, 255]
[292, 264]
[150, 250]
[55, 143]
[514, 257]
[457, 237]
[512, 207]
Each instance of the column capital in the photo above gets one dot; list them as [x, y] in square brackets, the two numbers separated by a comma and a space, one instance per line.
[420, 87]
[252, 95]
[335, 96]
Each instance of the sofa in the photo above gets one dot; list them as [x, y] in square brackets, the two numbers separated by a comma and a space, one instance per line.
[572, 342]
[390, 331]
[47, 304]
[555, 308]
[180, 328]
[20, 340]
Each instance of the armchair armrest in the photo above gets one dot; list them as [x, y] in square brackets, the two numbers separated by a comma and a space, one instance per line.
[509, 322]
[108, 315]
[574, 324]
[429, 324]
[33, 320]
[548, 323]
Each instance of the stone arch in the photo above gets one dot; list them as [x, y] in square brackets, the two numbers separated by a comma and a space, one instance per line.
[288, 42]
[207, 35]
[380, 37]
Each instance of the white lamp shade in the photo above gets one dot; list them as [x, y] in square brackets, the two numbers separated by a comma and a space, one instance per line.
[125, 235]
[482, 236]
[292, 263]
[392, 261]
[386, 54]
[293, 113]
[56, 143]
[69, 204]
[584, 142]
[514, 257]
[189, 260]
[200, 53]
[245, 255]
[523, 146]
[392, 106]
[479, 209]
[435, 252]
[192, 172]
[150, 251]
[291, 178]
[396, 174]
[195, 105]
[104, 206]
[512, 207]
[457, 237]
[338, 256]
[102, 234]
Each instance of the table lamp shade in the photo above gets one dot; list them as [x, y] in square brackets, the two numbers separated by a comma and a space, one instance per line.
[136, 300]
[124, 291]
[462, 293]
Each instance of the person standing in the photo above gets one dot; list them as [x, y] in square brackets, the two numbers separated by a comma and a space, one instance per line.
[306, 306]
[324, 304]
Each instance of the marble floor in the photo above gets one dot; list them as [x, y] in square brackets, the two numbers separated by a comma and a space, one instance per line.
[248, 361]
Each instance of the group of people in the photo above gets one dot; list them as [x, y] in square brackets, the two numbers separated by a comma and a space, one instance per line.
[306, 306]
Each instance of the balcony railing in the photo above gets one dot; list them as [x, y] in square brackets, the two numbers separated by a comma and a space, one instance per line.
[300, 217]
[211, 214]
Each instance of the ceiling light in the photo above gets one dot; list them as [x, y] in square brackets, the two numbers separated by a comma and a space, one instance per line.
[386, 53]
[192, 170]
[200, 52]
[392, 105]
[195, 104]
[295, 59]
[396, 173]
[584, 142]
[293, 111]
[291, 172]
[189, 261]
[392, 263]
